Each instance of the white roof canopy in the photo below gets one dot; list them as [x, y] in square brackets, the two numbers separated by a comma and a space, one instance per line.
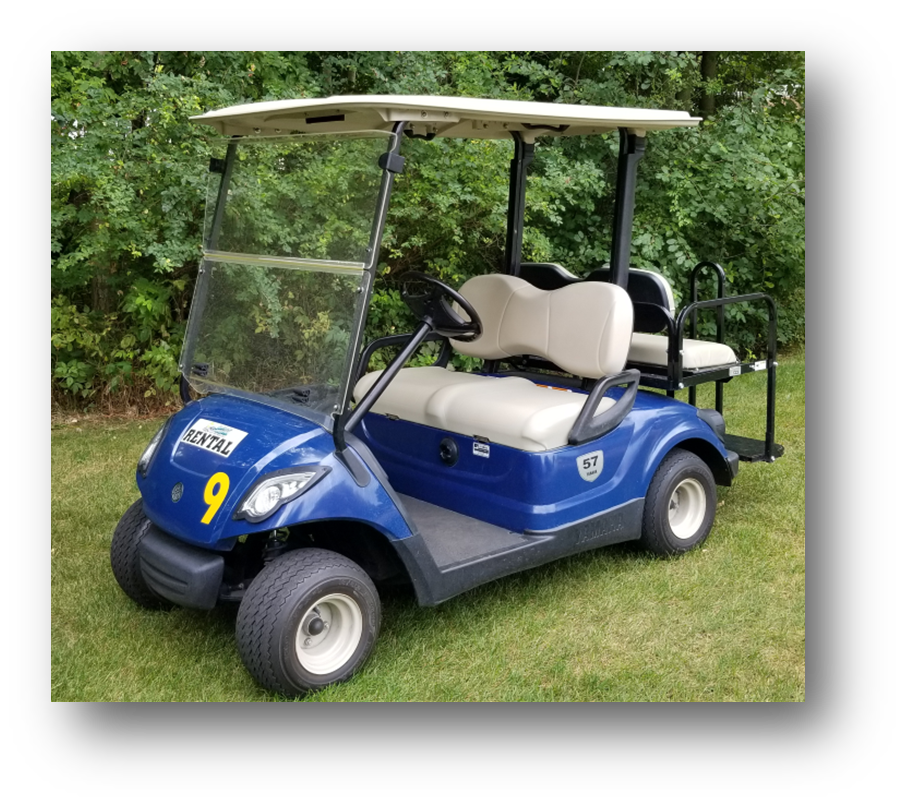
[438, 115]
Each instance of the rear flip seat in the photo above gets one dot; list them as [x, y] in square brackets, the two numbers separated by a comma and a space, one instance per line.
[652, 348]
[648, 345]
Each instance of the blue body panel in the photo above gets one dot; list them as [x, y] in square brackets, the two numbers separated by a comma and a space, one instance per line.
[535, 492]
[517, 490]
[275, 440]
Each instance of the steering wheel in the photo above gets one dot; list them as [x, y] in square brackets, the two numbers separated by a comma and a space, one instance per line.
[432, 306]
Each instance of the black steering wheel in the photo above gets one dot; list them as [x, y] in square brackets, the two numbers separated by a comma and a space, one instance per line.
[432, 306]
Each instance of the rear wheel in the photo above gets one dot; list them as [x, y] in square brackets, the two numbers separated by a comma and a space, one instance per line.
[680, 505]
[309, 619]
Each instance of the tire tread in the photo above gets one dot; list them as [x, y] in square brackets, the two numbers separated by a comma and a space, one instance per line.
[655, 533]
[124, 558]
[260, 615]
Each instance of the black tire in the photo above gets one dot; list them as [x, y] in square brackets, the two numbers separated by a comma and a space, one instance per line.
[310, 618]
[124, 558]
[680, 505]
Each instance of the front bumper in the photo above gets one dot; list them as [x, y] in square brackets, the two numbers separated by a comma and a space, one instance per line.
[182, 574]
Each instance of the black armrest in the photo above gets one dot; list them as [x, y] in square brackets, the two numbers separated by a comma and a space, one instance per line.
[589, 425]
[402, 338]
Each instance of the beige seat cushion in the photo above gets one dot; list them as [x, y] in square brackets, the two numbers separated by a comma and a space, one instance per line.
[506, 411]
[649, 348]
[584, 329]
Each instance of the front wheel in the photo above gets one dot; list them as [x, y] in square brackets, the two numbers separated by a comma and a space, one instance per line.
[124, 558]
[680, 505]
[309, 619]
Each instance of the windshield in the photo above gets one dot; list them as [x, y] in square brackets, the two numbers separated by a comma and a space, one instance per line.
[289, 231]
[307, 197]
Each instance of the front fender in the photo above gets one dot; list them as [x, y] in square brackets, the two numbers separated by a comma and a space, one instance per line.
[192, 491]
[339, 496]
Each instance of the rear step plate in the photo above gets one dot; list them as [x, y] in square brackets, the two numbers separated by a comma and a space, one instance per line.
[752, 450]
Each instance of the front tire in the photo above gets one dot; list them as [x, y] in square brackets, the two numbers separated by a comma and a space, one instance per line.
[124, 558]
[680, 505]
[309, 619]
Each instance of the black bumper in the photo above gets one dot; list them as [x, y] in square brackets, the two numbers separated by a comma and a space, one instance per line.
[182, 574]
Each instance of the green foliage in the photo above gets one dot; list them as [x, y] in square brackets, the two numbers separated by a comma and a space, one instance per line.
[96, 355]
[731, 195]
[128, 186]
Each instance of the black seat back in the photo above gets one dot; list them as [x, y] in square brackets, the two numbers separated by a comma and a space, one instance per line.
[646, 289]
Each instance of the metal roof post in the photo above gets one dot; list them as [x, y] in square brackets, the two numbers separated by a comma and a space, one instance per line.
[517, 196]
[631, 149]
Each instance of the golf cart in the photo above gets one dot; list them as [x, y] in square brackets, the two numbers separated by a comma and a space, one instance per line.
[295, 480]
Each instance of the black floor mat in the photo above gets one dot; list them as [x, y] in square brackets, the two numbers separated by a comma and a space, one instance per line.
[454, 539]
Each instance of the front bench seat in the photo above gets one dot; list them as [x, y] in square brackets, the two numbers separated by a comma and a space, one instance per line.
[584, 329]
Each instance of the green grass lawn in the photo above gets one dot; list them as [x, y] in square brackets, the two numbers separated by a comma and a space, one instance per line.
[725, 622]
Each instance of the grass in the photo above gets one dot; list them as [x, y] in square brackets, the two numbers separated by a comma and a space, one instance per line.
[725, 622]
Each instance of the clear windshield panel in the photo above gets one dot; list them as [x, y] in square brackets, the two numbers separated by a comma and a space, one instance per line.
[281, 331]
[310, 197]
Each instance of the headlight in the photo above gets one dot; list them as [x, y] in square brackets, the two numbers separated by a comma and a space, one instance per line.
[149, 453]
[275, 490]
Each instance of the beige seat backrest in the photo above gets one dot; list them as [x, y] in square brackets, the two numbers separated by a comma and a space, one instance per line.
[584, 328]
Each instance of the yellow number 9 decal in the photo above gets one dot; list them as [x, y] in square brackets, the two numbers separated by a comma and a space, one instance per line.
[215, 499]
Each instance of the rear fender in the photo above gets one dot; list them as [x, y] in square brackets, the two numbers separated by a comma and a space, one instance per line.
[707, 447]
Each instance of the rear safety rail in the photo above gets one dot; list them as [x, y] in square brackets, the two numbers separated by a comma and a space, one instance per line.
[751, 450]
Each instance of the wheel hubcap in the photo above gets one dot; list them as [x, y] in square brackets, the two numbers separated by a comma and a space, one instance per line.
[329, 633]
[687, 509]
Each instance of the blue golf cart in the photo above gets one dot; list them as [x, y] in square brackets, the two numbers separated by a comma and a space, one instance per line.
[297, 480]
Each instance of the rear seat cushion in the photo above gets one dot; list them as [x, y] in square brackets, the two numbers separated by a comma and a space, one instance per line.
[507, 411]
[648, 348]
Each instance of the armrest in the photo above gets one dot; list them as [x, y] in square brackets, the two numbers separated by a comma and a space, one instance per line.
[590, 425]
[402, 338]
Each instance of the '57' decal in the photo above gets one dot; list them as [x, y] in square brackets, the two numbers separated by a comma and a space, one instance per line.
[590, 465]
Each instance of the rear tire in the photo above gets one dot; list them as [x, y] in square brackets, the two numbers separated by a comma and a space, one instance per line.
[310, 618]
[680, 505]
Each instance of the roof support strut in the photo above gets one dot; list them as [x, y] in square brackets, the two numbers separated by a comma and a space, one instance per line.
[391, 163]
[631, 149]
[517, 193]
